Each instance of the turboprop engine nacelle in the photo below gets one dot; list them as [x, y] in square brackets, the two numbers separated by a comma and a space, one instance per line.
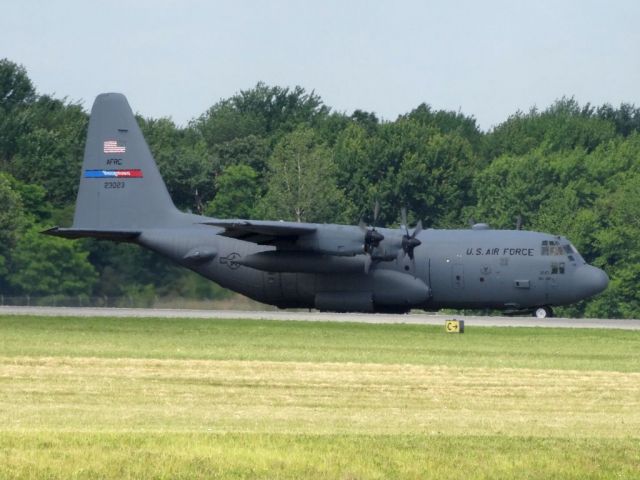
[340, 240]
[301, 262]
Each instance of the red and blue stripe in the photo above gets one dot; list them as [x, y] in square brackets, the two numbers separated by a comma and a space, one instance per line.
[122, 173]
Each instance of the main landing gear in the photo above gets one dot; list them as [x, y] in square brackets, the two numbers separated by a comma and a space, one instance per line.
[543, 312]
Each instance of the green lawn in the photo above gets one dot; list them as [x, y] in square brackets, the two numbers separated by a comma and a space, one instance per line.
[158, 398]
[586, 349]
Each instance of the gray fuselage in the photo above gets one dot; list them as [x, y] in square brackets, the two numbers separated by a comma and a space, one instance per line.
[471, 268]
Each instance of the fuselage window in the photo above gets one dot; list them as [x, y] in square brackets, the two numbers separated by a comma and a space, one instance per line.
[557, 267]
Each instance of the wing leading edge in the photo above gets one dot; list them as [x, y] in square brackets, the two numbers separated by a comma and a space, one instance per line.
[263, 232]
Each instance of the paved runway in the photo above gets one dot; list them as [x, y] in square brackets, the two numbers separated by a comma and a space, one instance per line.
[419, 319]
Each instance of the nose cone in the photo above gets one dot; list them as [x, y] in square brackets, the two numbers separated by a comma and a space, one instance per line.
[590, 281]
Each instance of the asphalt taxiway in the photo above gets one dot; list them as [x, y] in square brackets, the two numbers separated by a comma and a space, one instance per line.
[312, 316]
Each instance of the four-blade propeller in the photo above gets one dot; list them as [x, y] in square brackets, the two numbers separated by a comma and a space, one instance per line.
[373, 238]
[409, 241]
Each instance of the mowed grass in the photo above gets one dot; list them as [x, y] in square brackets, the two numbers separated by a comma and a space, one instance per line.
[236, 339]
[241, 456]
[158, 398]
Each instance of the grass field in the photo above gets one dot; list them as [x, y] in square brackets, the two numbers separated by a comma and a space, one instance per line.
[159, 398]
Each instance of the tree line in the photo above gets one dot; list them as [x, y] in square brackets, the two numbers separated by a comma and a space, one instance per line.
[280, 153]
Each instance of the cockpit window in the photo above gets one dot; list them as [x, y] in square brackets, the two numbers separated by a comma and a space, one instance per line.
[551, 247]
[573, 254]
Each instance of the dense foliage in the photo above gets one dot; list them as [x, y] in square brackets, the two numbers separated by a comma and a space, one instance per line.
[280, 153]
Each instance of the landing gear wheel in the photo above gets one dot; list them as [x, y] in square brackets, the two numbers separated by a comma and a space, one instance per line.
[543, 312]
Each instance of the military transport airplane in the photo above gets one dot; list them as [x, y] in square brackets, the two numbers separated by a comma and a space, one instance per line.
[343, 268]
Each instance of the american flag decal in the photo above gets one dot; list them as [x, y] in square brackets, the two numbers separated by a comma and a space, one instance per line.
[112, 146]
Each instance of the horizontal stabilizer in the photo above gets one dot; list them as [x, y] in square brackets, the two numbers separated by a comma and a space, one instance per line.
[116, 235]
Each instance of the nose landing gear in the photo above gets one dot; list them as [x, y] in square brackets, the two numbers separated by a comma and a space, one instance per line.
[543, 312]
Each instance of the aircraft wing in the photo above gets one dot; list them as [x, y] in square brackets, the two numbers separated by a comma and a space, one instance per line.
[263, 232]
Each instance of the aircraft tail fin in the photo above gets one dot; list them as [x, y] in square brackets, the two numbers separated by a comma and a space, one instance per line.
[121, 189]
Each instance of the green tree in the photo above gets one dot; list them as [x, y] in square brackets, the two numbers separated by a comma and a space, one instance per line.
[434, 177]
[15, 86]
[359, 168]
[565, 125]
[43, 265]
[618, 246]
[12, 221]
[282, 109]
[183, 161]
[406, 163]
[50, 152]
[251, 150]
[34, 200]
[224, 122]
[512, 186]
[448, 122]
[237, 191]
[16, 93]
[260, 111]
[301, 184]
[626, 118]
